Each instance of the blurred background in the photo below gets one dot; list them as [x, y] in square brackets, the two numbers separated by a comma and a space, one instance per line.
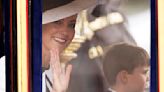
[109, 22]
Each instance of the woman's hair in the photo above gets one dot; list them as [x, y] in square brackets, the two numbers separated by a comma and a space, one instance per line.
[123, 57]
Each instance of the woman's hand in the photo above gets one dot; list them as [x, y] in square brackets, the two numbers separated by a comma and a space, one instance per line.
[60, 75]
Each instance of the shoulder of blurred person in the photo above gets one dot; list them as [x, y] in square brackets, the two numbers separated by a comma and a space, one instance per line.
[2, 74]
[86, 74]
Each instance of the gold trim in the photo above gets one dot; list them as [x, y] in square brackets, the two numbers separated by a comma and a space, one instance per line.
[161, 42]
[22, 46]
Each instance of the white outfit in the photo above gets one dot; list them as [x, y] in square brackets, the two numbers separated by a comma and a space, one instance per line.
[2, 75]
[47, 73]
[111, 90]
[43, 82]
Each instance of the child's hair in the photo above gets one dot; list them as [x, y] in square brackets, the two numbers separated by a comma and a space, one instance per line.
[123, 57]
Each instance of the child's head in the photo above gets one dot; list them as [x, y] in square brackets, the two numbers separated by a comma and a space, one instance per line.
[126, 65]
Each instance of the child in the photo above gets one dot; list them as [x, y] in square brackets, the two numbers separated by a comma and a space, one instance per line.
[125, 68]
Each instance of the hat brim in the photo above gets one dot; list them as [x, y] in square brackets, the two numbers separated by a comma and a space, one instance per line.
[66, 10]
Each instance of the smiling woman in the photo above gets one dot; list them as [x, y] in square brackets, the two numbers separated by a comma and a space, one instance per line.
[57, 34]
[58, 29]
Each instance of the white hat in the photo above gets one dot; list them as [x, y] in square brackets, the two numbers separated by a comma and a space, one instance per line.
[54, 10]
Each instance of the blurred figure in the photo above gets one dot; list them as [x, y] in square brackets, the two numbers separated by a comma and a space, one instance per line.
[2, 52]
[87, 74]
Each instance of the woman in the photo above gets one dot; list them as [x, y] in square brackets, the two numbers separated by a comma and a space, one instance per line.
[58, 23]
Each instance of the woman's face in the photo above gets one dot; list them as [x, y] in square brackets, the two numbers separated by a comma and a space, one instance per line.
[57, 34]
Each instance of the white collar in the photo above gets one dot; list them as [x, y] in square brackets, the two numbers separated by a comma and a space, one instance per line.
[112, 90]
[2, 59]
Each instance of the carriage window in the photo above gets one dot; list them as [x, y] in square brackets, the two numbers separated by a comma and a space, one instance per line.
[109, 22]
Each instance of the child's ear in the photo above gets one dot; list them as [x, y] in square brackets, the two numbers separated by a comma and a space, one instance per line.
[123, 76]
